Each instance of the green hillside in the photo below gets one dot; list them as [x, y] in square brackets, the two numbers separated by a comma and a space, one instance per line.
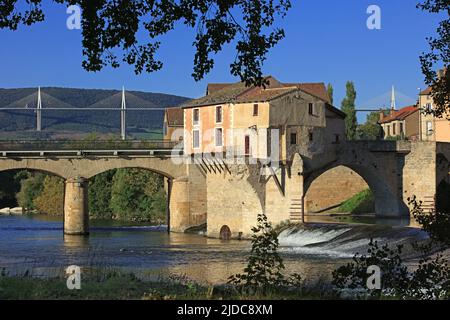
[18, 123]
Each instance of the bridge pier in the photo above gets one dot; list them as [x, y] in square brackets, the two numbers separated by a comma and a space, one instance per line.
[76, 213]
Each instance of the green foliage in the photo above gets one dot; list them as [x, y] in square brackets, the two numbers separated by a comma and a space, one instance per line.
[362, 202]
[354, 274]
[264, 271]
[438, 56]
[137, 195]
[30, 188]
[110, 27]
[51, 198]
[436, 223]
[371, 129]
[100, 195]
[124, 194]
[431, 280]
[330, 92]
[348, 107]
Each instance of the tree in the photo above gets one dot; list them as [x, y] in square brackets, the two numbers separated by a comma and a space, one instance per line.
[371, 129]
[265, 267]
[100, 195]
[51, 198]
[138, 194]
[330, 92]
[348, 107]
[439, 54]
[109, 26]
[30, 188]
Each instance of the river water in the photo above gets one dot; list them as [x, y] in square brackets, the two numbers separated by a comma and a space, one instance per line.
[36, 245]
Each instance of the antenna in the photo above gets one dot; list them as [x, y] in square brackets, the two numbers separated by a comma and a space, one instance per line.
[39, 111]
[123, 107]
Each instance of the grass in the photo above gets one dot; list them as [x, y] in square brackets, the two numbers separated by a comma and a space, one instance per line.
[362, 202]
[116, 285]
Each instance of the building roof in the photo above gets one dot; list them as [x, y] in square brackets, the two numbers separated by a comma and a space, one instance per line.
[400, 114]
[174, 117]
[238, 92]
[316, 89]
[426, 92]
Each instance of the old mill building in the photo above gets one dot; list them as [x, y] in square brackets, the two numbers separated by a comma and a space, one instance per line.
[254, 121]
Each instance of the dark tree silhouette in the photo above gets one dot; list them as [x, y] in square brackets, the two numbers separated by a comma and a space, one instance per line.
[438, 57]
[112, 26]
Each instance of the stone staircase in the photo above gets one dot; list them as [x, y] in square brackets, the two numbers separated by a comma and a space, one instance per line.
[428, 204]
[295, 210]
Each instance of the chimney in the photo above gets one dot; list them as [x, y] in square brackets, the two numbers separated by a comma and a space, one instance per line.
[381, 115]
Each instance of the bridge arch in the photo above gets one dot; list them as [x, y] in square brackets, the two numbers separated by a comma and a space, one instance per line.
[18, 165]
[387, 202]
[87, 167]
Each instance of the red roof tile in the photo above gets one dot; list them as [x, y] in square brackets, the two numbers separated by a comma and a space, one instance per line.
[400, 114]
[237, 92]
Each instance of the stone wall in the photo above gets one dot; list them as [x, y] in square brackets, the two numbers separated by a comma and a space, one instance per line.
[332, 188]
[234, 199]
[419, 172]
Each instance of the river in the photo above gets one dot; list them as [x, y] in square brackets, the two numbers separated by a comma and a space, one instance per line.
[36, 245]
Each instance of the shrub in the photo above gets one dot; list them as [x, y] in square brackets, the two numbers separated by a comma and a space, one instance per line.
[264, 271]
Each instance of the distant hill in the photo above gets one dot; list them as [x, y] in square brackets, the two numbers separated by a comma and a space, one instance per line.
[22, 123]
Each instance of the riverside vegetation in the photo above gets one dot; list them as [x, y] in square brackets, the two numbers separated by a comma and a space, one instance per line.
[122, 194]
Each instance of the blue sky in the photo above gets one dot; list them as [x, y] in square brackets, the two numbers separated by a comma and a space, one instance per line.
[326, 41]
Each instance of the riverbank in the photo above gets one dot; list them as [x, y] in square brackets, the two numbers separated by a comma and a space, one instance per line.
[116, 285]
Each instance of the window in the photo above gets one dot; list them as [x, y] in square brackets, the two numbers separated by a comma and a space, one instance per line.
[293, 138]
[428, 107]
[311, 137]
[219, 114]
[429, 128]
[255, 110]
[388, 131]
[196, 139]
[393, 129]
[218, 136]
[311, 108]
[165, 129]
[196, 116]
[247, 145]
[401, 128]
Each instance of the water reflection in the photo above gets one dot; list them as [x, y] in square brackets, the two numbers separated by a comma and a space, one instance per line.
[76, 242]
[38, 243]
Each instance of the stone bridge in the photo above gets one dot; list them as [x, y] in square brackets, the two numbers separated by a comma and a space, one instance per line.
[228, 195]
[393, 170]
[185, 207]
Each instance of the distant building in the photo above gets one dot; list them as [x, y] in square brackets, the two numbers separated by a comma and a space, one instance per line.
[432, 128]
[403, 123]
[173, 124]
[250, 121]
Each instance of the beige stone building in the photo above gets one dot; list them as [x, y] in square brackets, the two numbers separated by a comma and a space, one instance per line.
[432, 128]
[173, 124]
[282, 118]
[403, 123]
